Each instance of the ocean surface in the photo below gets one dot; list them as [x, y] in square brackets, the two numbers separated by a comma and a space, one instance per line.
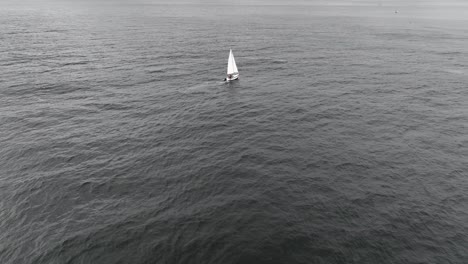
[344, 141]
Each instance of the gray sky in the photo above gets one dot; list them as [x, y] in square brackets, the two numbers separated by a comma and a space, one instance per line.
[323, 2]
[273, 2]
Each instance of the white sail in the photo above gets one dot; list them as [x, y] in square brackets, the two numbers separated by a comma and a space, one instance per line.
[232, 67]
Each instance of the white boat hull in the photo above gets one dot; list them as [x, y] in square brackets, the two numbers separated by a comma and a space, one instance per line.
[233, 78]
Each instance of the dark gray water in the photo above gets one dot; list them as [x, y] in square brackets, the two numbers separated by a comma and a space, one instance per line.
[345, 141]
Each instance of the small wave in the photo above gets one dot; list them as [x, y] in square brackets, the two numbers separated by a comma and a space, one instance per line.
[397, 73]
[109, 106]
[455, 53]
[172, 57]
[76, 63]
[19, 32]
[156, 71]
[456, 71]
[55, 31]
[279, 61]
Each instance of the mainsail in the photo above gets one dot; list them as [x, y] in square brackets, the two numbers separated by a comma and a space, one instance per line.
[232, 68]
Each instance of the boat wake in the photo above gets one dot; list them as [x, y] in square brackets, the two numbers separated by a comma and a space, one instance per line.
[200, 87]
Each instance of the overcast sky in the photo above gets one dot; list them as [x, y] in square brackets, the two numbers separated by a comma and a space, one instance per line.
[272, 2]
[319, 2]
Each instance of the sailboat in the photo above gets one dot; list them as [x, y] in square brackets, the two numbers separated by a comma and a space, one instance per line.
[232, 72]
